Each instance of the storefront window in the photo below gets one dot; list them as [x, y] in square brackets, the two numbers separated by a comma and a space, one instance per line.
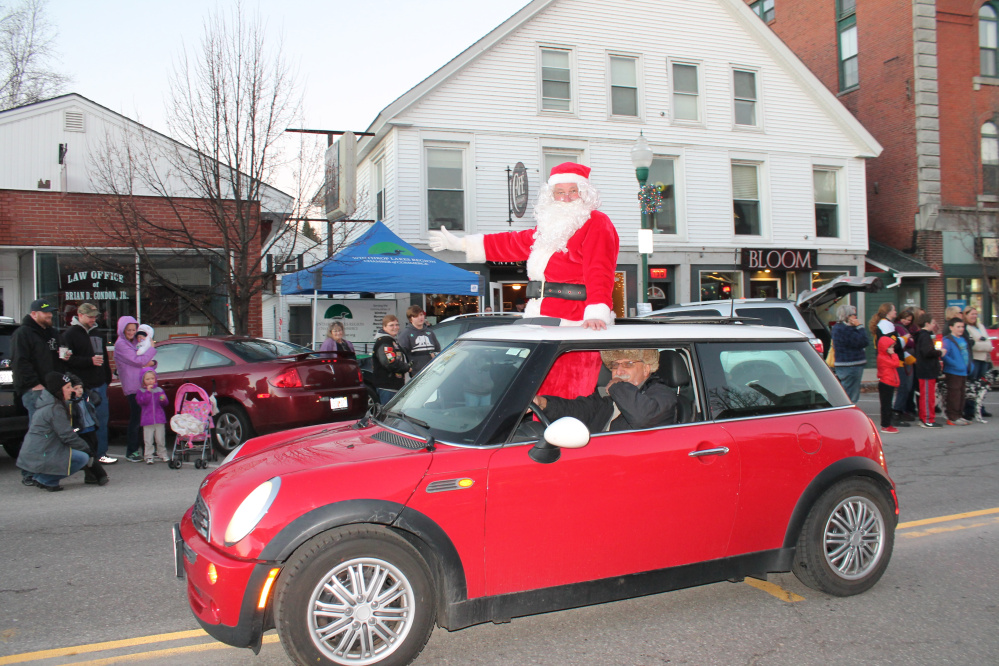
[109, 280]
[441, 306]
[968, 290]
[717, 285]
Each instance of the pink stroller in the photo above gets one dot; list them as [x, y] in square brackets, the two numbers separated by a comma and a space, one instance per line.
[192, 421]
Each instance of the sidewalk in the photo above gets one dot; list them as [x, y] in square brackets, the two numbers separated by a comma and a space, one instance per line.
[869, 382]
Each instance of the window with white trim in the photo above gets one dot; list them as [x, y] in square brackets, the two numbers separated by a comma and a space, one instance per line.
[988, 39]
[684, 85]
[990, 158]
[624, 86]
[556, 79]
[744, 87]
[826, 204]
[379, 183]
[746, 198]
[661, 175]
[553, 157]
[446, 188]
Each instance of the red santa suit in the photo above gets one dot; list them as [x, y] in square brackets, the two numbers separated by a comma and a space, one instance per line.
[589, 259]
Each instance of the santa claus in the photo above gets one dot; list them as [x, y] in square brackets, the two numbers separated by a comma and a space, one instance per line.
[571, 254]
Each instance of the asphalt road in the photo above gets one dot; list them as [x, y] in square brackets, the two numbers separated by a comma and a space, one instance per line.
[87, 578]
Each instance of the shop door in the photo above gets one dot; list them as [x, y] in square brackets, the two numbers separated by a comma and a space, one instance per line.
[300, 325]
[764, 288]
[496, 296]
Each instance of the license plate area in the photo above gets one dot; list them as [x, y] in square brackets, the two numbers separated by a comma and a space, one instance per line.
[338, 403]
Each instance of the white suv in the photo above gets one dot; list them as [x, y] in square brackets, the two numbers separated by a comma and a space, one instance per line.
[800, 315]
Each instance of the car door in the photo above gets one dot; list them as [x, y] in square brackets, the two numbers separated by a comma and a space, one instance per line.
[625, 503]
[172, 361]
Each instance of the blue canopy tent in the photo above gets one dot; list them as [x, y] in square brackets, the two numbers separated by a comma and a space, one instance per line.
[380, 261]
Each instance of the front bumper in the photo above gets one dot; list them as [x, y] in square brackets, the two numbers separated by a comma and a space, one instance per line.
[228, 608]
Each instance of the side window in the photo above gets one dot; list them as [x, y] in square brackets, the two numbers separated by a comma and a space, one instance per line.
[206, 358]
[770, 316]
[173, 358]
[446, 333]
[750, 379]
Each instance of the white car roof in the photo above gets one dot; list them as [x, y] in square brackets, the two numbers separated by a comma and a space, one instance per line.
[658, 332]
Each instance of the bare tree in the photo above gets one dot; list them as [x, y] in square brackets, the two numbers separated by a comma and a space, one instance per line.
[27, 52]
[206, 195]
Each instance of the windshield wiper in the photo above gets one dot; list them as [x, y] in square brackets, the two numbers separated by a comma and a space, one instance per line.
[423, 426]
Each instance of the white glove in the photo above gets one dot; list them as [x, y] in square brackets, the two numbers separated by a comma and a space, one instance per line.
[445, 240]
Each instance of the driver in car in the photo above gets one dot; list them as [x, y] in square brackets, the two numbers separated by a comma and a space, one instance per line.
[633, 399]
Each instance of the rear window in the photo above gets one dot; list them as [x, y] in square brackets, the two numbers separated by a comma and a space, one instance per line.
[750, 379]
[263, 350]
[703, 312]
[770, 316]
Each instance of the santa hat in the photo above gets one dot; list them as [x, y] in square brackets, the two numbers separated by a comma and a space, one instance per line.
[569, 172]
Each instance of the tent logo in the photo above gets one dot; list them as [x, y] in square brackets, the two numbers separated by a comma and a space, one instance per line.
[338, 311]
[388, 249]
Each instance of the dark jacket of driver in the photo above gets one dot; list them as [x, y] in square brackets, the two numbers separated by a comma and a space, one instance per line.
[647, 406]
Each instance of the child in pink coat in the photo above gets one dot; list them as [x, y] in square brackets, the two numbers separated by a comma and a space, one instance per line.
[888, 365]
[152, 400]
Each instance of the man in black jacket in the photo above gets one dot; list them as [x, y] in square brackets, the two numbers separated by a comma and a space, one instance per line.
[633, 399]
[418, 341]
[89, 362]
[35, 353]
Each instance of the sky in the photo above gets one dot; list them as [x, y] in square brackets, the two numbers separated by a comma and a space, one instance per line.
[353, 57]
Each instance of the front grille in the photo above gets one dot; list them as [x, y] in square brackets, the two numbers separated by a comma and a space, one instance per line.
[201, 517]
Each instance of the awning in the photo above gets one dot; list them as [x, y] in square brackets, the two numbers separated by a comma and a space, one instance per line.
[881, 257]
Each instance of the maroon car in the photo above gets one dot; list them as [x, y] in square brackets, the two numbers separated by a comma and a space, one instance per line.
[261, 386]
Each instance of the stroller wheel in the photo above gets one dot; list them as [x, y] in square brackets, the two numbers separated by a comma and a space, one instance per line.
[174, 464]
[199, 463]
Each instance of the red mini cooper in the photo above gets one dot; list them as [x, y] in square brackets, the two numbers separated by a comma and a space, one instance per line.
[457, 503]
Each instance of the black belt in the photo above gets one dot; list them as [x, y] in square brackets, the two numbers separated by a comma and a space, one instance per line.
[566, 290]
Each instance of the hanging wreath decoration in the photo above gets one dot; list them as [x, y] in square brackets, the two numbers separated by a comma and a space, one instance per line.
[651, 198]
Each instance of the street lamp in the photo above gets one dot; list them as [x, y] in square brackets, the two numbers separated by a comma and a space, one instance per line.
[641, 158]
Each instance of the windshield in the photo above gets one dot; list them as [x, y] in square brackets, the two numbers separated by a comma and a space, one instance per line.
[459, 389]
[263, 350]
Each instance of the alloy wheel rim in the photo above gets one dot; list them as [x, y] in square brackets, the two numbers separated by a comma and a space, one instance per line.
[229, 431]
[854, 538]
[361, 611]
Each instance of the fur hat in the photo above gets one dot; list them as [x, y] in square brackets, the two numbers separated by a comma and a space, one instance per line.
[147, 330]
[648, 356]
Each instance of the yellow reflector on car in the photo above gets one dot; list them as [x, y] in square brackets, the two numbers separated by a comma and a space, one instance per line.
[266, 590]
[213, 575]
[466, 483]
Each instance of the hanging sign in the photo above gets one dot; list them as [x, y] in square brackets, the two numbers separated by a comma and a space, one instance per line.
[517, 191]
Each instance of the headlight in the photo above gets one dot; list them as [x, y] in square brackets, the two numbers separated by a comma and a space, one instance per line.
[232, 454]
[253, 508]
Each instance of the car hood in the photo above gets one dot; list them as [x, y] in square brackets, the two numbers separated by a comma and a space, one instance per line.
[837, 289]
[310, 450]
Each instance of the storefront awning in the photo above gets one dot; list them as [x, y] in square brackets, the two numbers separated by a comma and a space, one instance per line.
[381, 262]
[881, 257]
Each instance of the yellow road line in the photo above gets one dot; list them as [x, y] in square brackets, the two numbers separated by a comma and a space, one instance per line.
[944, 519]
[100, 647]
[168, 652]
[774, 590]
[948, 528]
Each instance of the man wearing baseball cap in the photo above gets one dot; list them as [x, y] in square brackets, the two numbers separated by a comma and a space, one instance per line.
[35, 353]
[89, 361]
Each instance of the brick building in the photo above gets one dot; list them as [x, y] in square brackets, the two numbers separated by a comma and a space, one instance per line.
[56, 238]
[923, 77]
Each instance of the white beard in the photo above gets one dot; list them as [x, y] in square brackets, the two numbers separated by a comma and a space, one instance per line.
[557, 222]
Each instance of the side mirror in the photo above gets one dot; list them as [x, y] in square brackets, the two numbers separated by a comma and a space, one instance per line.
[565, 433]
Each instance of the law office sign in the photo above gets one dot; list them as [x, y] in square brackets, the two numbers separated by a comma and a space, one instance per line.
[782, 260]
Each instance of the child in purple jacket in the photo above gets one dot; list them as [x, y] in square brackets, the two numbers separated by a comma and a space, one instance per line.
[153, 400]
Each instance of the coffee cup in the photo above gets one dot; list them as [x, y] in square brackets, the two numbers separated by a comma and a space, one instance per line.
[64, 353]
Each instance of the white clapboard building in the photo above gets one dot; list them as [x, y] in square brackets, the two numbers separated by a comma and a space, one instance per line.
[761, 168]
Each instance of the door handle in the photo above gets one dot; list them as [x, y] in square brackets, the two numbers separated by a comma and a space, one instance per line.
[717, 451]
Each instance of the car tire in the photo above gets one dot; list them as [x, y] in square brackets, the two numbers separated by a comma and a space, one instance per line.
[12, 447]
[847, 539]
[372, 397]
[406, 600]
[232, 428]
